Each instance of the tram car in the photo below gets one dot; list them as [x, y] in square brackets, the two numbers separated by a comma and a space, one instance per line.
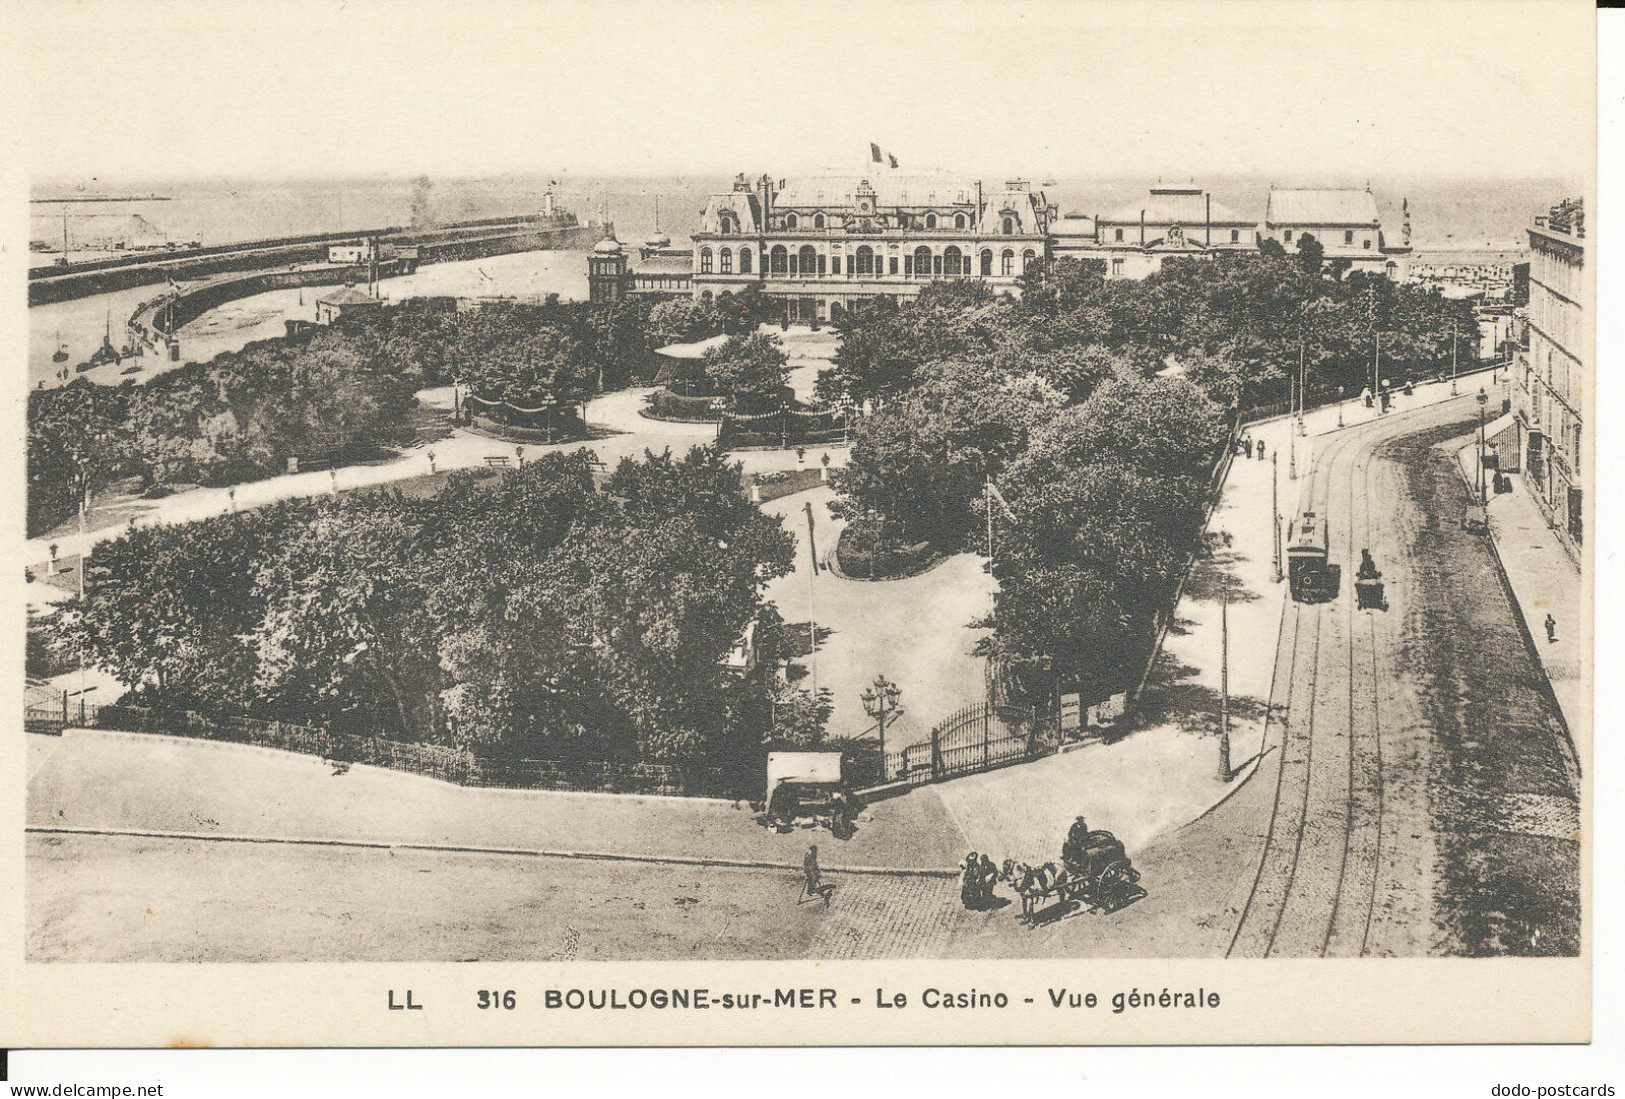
[1312, 580]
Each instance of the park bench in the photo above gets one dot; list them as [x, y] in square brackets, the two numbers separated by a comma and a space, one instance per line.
[494, 460]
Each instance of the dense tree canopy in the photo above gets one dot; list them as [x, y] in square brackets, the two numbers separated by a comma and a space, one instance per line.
[1098, 407]
[340, 390]
[535, 616]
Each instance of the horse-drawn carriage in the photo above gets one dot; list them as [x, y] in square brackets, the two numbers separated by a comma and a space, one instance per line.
[1095, 872]
[1369, 593]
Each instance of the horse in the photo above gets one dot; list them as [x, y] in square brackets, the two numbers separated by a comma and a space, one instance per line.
[1035, 883]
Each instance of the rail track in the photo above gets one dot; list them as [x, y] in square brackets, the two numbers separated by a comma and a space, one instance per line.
[1316, 885]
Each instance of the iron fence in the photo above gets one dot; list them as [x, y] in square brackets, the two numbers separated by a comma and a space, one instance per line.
[453, 765]
[47, 710]
[783, 428]
[975, 738]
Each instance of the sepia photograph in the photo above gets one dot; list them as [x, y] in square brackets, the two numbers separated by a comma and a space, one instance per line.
[991, 492]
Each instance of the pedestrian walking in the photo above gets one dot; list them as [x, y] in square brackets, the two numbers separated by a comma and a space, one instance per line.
[1551, 627]
[1261, 450]
[814, 885]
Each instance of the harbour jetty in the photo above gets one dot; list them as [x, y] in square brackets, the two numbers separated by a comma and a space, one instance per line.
[464, 240]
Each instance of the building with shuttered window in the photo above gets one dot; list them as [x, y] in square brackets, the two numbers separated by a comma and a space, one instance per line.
[821, 243]
[1548, 383]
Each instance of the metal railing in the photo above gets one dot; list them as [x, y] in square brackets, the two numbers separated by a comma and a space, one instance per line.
[454, 765]
[975, 738]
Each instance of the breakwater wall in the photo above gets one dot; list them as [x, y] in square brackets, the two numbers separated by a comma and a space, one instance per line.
[468, 240]
[155, 322]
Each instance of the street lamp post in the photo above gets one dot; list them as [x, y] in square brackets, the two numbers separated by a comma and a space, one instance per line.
[879, 701]
[1483, 488]
[1224, 687]
[1292, 453]
[1303, 385]
[1275, 509]
[84, 555]
[1452, 360]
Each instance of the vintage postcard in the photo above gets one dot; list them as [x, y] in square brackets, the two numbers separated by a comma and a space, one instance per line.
[695, 523]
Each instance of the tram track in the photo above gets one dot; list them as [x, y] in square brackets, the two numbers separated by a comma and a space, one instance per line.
[1316, 884]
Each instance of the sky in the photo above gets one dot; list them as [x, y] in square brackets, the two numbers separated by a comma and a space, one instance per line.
[321, 88]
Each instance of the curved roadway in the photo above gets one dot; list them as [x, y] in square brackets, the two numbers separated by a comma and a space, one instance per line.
[1426, 797]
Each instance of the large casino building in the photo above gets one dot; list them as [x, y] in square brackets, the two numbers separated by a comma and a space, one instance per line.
[820, 243]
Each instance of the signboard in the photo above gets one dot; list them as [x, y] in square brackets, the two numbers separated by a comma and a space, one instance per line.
[1071, 711]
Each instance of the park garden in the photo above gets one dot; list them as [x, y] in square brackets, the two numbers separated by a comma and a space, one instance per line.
[565, 612]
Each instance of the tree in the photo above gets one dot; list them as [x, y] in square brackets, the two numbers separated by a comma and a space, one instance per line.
[921, 461]
[1107, 498]
[1311, 254]
[1054, 287]
[753, 370]
[800, 717]
[172, 610]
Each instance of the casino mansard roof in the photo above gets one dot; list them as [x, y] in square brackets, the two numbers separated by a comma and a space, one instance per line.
[742, 209]
[839, 189]
[1184, 206]
[1328, 206]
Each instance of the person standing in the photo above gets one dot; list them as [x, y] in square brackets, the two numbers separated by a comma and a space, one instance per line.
[1551, 627]
[814, 885]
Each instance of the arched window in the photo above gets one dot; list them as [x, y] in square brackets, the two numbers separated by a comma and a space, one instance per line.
[930, 221]
[1009, 227]
[744, 261]
[818, 221]
[1026, 260]
[809, 261]
[1007, 262]
[705, 295]
[959, 221]
[922, 261]
[951, 263]
[987, 262]
[865, 260]
[725, 261]
[726, 226]
[778, 260]
[789, 221]
[705, 261]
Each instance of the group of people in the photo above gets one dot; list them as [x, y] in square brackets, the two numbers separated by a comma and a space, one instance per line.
[977, 878]
[1245, 447]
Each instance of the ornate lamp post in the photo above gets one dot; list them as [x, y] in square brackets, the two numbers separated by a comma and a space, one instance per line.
[1452, 358]
[880, 701]
[1483, 489]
